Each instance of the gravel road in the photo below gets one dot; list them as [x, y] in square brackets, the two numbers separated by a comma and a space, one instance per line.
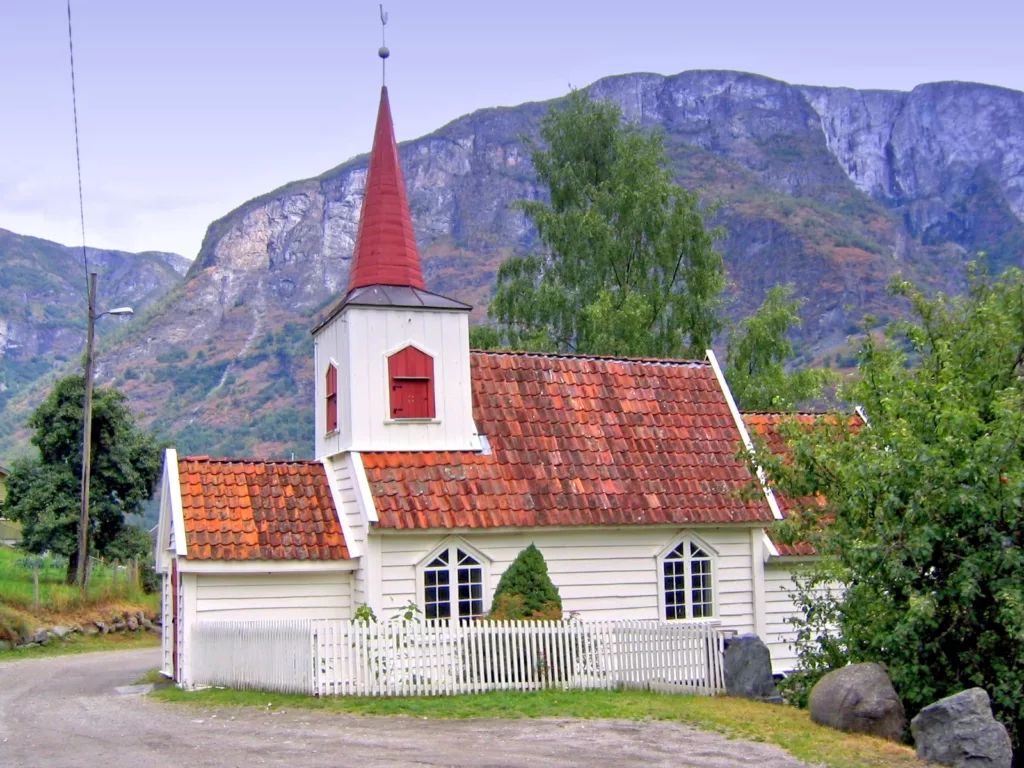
[63, 712]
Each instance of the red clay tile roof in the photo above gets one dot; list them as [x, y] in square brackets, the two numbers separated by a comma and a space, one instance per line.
[238, 509]
[766, 425]
[577, 441]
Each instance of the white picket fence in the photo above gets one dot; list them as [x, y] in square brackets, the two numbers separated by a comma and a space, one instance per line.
[431, 658]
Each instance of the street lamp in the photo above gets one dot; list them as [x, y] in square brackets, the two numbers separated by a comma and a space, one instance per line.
[83, 519]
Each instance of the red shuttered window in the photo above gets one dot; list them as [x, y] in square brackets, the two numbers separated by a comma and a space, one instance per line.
[332, 398]
[412, 384]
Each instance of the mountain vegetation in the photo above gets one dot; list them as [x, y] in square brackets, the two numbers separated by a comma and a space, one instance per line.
[43, 307]
[920, 514]
[832, 190]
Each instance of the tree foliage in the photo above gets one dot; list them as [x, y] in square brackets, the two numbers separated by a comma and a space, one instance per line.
[525, 590]
[923, 522]
[629, 266]
[43, 493]
[758, 350]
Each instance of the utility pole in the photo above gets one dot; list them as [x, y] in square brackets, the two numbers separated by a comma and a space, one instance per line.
[83, 519]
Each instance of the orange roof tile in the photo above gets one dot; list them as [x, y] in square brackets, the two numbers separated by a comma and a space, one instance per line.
[577, 441]
[766, 426]
[239, 509]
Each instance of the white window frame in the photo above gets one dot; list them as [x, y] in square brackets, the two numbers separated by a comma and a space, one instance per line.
[688, 537]
[454, 543]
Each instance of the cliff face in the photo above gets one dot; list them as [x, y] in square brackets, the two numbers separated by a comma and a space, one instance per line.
[833, 189]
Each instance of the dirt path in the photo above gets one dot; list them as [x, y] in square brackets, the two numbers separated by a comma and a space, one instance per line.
[63, 712]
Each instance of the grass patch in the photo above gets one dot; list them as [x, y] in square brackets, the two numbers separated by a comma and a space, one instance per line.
[122, 641]
[786, 727]
[152, 677]
[108, 585]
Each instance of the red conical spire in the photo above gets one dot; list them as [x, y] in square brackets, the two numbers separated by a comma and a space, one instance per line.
[385, 252]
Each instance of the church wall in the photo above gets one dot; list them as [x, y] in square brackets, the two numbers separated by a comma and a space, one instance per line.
[607, 573]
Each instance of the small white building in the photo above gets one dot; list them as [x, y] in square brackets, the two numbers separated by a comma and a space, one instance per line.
[437, 465]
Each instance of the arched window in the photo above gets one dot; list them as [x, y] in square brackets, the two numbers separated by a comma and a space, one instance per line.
[411, 375]
[687, 572]
[332, 398]
[453, 584]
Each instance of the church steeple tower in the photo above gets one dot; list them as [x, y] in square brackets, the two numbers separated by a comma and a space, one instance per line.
[392, 358]
[385, 252]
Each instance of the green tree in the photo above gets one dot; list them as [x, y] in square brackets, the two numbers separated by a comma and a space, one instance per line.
[44, 491]
[525, 590]
[628, 266]
[759, 348]
[923, 523]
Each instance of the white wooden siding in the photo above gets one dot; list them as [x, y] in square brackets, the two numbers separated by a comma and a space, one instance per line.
[602, 574]
[332, 343]
[262, 596]
[360, 339]
[779, 607]
[345, 482]
[166, 626]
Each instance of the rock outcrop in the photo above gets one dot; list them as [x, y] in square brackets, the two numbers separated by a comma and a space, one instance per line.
[859, 698]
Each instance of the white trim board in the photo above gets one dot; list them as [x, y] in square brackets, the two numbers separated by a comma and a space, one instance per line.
[737, 417]
[177, 512]
[346, 530]
[265, 566]
[363, 488]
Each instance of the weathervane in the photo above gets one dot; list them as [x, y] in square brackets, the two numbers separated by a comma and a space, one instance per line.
[383, 52]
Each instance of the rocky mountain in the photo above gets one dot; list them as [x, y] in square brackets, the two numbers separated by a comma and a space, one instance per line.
[833, 189]
[43, 302]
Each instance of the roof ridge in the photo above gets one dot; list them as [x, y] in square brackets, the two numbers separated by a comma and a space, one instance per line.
[579, 356]
[242, 460]
[787, 413]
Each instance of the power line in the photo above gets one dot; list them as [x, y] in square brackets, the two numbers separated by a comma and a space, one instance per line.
[78, 155]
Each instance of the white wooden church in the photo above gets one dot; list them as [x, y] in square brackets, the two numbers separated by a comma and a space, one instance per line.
[437, 465]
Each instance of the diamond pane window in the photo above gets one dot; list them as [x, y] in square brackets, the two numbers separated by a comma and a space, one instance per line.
[687, 582]
[453, 586]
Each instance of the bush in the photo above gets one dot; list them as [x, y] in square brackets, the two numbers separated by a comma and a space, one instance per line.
[526, 591]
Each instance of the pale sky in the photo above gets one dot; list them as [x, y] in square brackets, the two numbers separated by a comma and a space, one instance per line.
[189, 108]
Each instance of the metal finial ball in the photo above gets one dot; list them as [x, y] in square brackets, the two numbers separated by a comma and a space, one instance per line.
[383, 52]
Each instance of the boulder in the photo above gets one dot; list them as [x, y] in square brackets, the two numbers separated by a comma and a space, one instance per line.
[90, 629]
[101, 627]
[748, 669]
[39, 636]
[117, 626]
[131, 623]
[61, 632]
[148, 625]
[5, 646]
[859, 699]
[959, 730]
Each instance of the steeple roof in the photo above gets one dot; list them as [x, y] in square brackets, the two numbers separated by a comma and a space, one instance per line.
[385, 252]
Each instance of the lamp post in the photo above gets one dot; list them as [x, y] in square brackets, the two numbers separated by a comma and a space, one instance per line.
[83, 520]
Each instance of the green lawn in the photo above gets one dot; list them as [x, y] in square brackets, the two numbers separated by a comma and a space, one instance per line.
[786, 727]
[122, 641]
